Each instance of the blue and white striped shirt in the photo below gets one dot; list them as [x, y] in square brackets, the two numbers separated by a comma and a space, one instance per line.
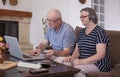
[87, 46]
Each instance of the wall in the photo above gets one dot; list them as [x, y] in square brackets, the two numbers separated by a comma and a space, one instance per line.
[112, 15]
[24, 5]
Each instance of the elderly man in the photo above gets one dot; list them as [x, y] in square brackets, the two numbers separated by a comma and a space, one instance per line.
[59, 35]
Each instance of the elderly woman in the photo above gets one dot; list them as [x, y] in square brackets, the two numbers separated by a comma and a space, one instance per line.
[91, 52]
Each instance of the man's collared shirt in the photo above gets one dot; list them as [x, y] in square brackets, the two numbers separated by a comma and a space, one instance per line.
[63, 38]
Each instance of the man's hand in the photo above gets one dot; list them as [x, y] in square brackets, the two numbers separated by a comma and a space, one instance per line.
[49, 53]
[35, 52]
[42, 46]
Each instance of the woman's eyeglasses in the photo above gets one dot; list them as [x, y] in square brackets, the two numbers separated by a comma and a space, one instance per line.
[84, 16]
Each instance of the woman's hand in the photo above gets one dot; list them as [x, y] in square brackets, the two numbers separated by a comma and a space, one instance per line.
[68, 59]
[78, 62]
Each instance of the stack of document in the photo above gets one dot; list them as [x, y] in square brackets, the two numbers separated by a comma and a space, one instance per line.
[28, 65]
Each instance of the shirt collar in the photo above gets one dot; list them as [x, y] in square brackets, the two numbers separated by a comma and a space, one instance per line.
[61, 27]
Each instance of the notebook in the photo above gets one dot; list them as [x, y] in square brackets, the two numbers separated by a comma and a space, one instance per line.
[15, 50]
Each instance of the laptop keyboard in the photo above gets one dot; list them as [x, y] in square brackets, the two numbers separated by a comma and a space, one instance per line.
[25, 56]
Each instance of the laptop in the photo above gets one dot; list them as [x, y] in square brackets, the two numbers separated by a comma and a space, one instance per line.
[15, 50]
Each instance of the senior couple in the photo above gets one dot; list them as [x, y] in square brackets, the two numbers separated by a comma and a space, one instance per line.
[89, 53]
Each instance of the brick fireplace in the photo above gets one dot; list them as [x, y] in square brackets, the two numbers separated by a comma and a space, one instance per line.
[23, 19]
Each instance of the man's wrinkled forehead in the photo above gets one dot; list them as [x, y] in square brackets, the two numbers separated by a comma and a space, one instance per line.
[52, 14]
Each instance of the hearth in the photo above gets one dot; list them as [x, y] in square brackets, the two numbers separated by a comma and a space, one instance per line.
[9, 28]
[22, 21]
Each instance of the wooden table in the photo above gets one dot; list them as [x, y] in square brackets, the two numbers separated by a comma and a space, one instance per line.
[57, 70]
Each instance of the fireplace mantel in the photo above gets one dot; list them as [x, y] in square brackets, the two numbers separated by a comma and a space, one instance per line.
[15, 13]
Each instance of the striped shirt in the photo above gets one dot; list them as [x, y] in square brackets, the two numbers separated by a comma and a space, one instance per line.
[87, 46]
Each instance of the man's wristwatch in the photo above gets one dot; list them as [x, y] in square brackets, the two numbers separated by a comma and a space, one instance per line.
[37, 47]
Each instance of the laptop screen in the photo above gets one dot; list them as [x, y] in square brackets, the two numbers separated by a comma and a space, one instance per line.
[14, 47]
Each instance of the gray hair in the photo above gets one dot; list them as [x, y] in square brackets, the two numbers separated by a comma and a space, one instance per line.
[58, 13]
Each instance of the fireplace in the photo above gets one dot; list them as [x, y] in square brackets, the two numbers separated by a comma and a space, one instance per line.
[9, 28]
[22, 28]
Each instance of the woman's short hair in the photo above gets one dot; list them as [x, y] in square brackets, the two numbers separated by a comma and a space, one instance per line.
[92, 14]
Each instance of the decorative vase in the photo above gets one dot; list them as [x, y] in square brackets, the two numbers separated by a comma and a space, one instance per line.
[4, 1]
[2, 57]
[13, 2]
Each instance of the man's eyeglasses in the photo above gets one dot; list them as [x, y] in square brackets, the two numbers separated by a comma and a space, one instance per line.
[84, 16]
[51, 20]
